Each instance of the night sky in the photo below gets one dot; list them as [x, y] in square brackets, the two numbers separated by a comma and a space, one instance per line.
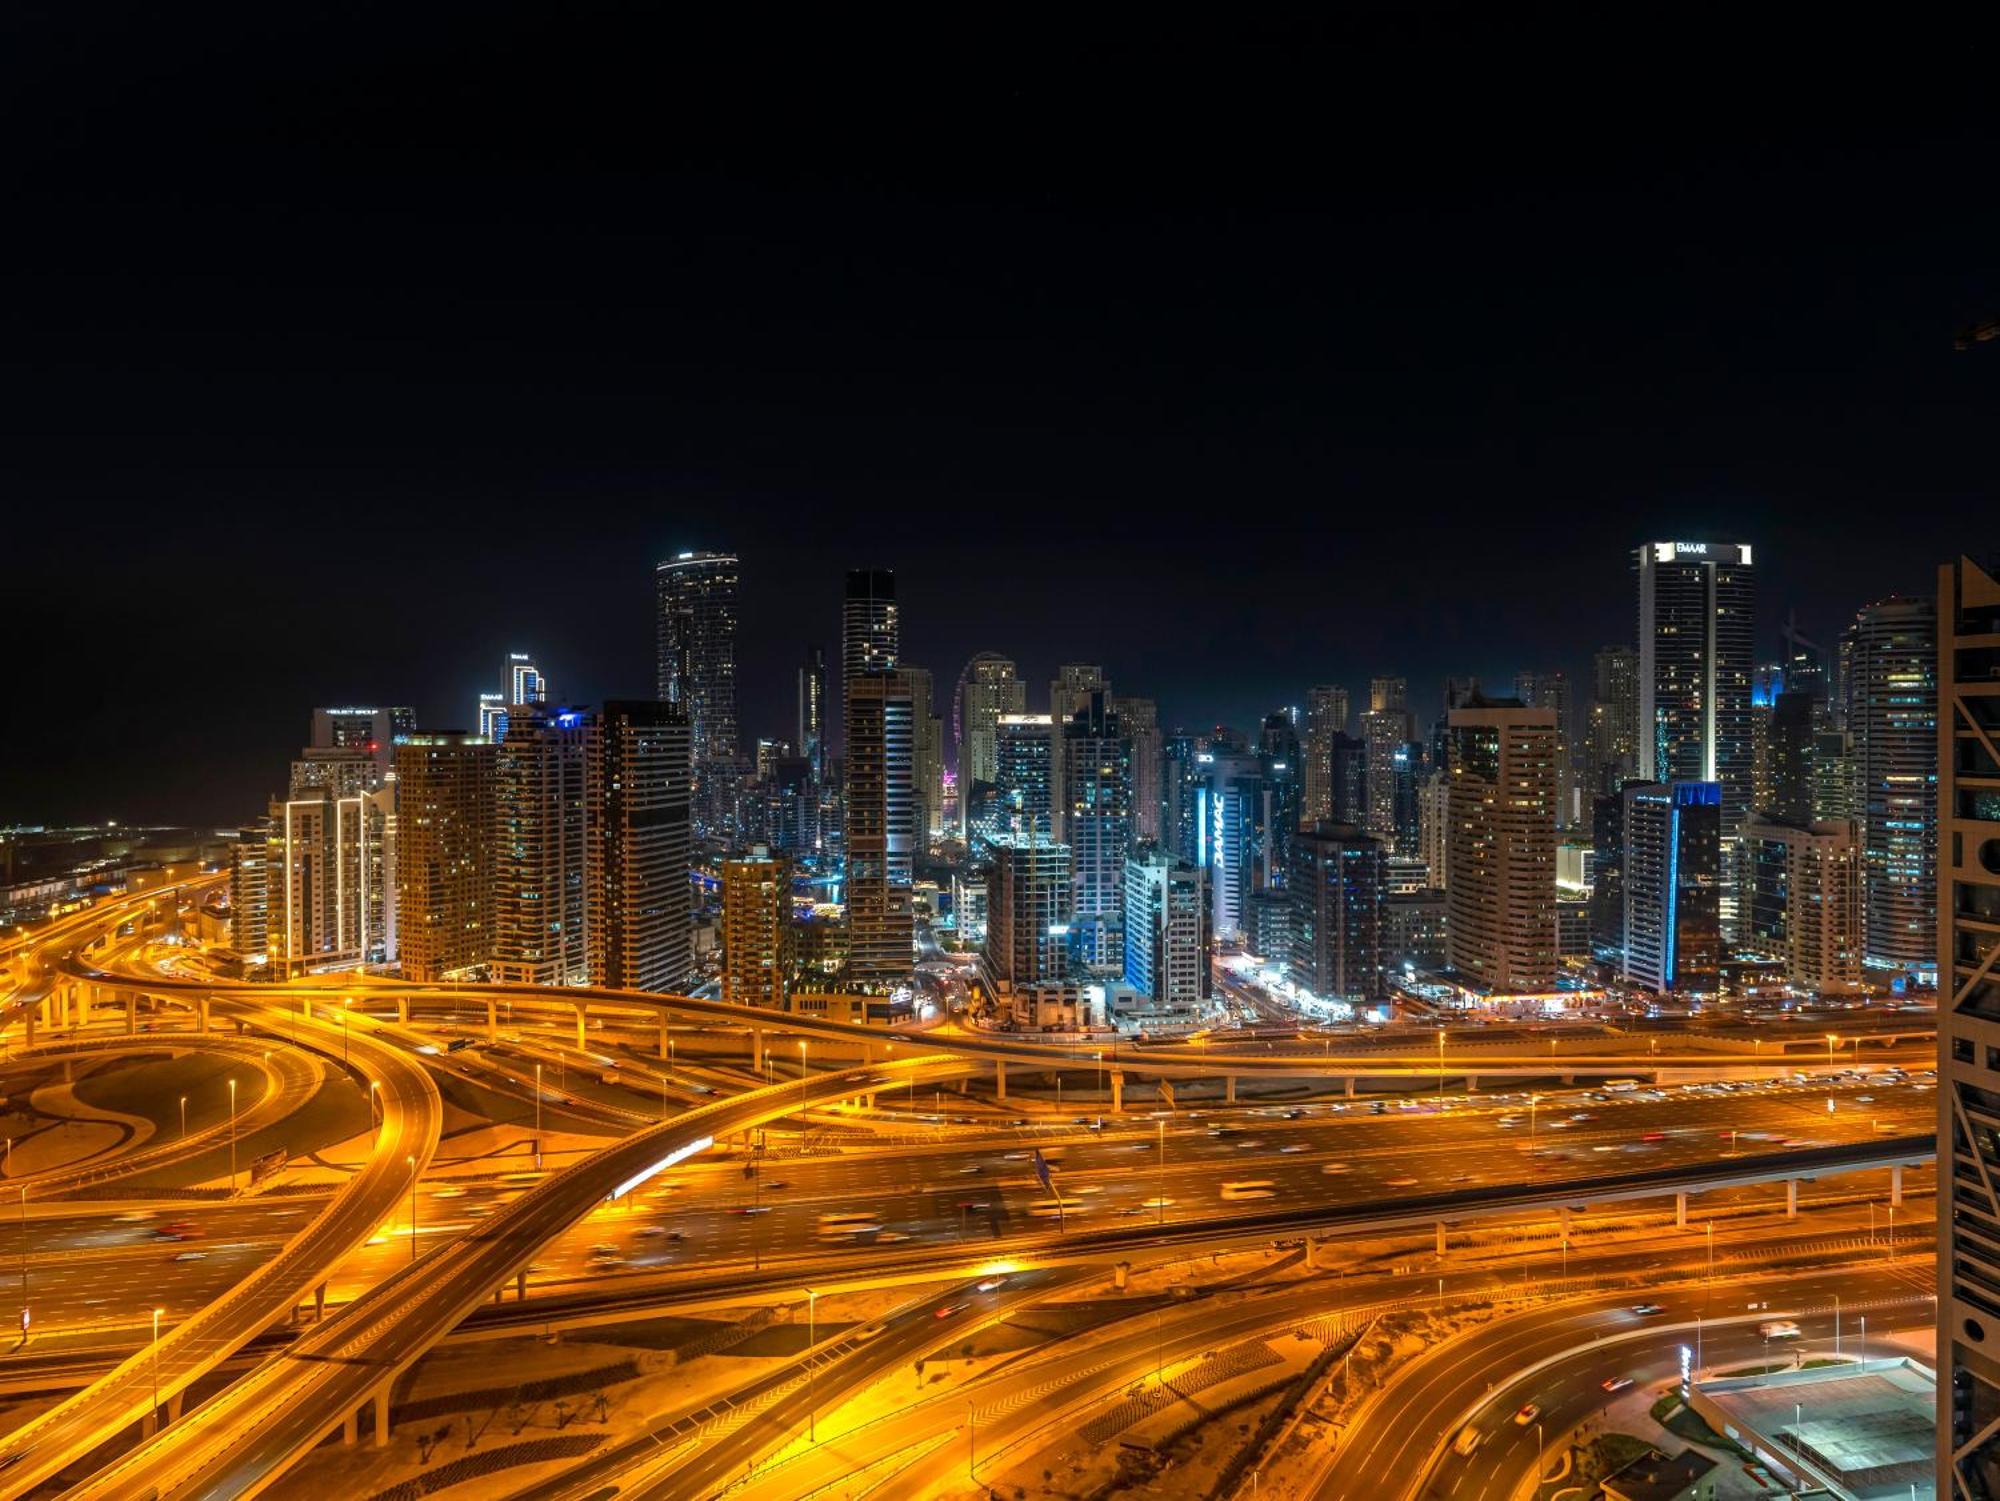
[342, 354]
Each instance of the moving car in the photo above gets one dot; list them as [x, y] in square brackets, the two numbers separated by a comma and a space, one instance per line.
[1616, 1383]
[1467, 1440]
[1527, 1415]
[1250, 1188]
[1778, 1329]
[1647, 1310]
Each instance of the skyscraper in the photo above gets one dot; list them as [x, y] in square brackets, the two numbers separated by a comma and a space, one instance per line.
[696, 632]
[1233, 804]
[1097, 807]
[1070, 691]
[1799, 889]
[1434, 827]
[1673, 886]
[1892, 711]
[871, 634]
[1166, 930]
[811, 743]
[1024, 774]
[1696, 616]
[988, 688]
[1027, 912]
[882, 831]
[929, 756]
[1968, 1020]
[539, 842]
[1550, 690]
[1501, 904]
[756, 929]
[1613, 751]
[1326, 717]
[492, 717]
[445, 786]
[638, 905]
[1336, 891]
[1141, 720]
[1385, 728]
[525, 683]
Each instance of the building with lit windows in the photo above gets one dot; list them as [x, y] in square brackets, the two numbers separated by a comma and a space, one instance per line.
[1386, 730]
[871, 631]
[1167, 942]
[1890, 660]
[1612, 752]
[1672, 876]
[1336, 892]
[695, 638]
[882, 832]
[1799, 895]
[1326, 717]
[1097, 809]
[445, 791]
[811, 742]
[638, 903]
[1069, 692]
[1501, 904]
[1024, 774]
[988, 688]
[1027, 913]
[540, 801]
[756, 929]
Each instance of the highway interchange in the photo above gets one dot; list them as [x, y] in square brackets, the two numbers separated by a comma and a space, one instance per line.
[679, 1183]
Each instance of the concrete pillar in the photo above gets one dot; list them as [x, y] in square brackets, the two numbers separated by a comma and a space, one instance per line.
[582, 1032]
[999, 1078]
[1471, 1083]
[402, 1010]
[174, 1407]
[1351, 1081]
[82, 1016]
[1117, 1091]
[350, 1427]
[1440, 1238]
[1791, 1198]
[1229, 1089]
[492, 1020]
[1562, 1219]
[1567, 1079]
[28, 1027]
[521, 1286]
[146, 1424]
[306, 1007]
[1312, 1254]
[382, 1416]
[662, 1053]
[319, 1303]
[1119, 1272]
[757, 1049]
[131, 1014]
[1681, 1210]
[1896, 1185]
[201, 1014]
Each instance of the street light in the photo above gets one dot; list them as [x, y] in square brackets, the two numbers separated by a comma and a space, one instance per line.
[812, 1338]
[1831, 1041]
[538, 1115]
[156, 1364]
[802, 1095]
[1160, 1185]
[1709, 1226]
[412, 1161]
[374, 1100]
[1440, 1068]
[232, 1138]
[184, 1117]
[24, 1261]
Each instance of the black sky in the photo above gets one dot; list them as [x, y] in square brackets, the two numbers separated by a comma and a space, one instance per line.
[344, 352]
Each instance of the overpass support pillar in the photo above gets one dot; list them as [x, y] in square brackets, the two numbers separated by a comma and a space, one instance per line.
[662, 1053]
[757, 1049]
[402, 1011]
[82, 1012]
[319, 1304]
[148, 1423]
[1350, 1086]
[492, 1020]
[521, 1286]
[382, 1416]
[1229, 1089]
[201, 1014]
[1440, 1240]
[131, 1014]
[999, 1078]
[1117, 1091]
[306, 1007]
[1791, 1198]
[1471, 1083]
[1567, 1080]
[1681, 1210]
[174, 1407]
[1119, 1272]
[28, 1027]
[350, 1427]
[1896, 1185]
[582, 1031]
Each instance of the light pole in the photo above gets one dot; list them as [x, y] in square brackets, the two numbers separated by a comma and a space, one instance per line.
[184, 1117]
[232, 1138]
[345, 1002]
[812, 1338]
[1533, 1101]
[802, 1096]
[971, 1444]
[538, 1115]
[1831, 1040]
[1836, 1326]
[24, 1261]
[1440, 1068]
[413, 1206]
[1864, 1341]
[374, 1101]
[156, 1364]
[1160, 1183]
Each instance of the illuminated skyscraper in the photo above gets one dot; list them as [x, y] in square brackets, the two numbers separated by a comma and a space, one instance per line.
[492, 712]
[929, 757]
[1070, 691]
[1672, 875]
[1166, 930]
[871, 633]
[1024, 774]
[1097, 807]
[756, 929]
[1140, 718]
[811, 743]
[525, 683]
[640, 845]
[1613, 750]
[1696, 615]
[1326, 718]
[1027, 913]
[445, 785]
[1550, 690]
[1386, 729]
[1501, 904]
[1336, 890]
[1800, 900]
[539, 844]
[696, 635]
[1890, 653]
[882, 833]
[988, 688]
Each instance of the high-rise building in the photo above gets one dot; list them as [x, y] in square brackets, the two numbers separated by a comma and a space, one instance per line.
[250, 896]
[1434, 827]
[1167, 943]
[1612, 755]
[988, 688]
[1336, 891]
[1326, 718]
[492, 717]
[1183, 776]
[1673, 886]
[1097, 808]
[812, 712]
[1968, 1019]
[1347, 779]
[1550, 690]
[1607, 878]
[871, 633]
[1070, 691]
[1027, 912]
[1501, 904]
[525, 683]
[1141, 720]
[445, 787]
[929, 757]
[791, 807]
[1386, 729]
[1232, 800]
[1892, 711]
[882, 834]
[1799, 889]
[327, 858]
[1696, 616]
[1024, 774]
[539, 841]
[1792, 740]
[696, 635]
[373, 730]
[639, 908]
[756, 929]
